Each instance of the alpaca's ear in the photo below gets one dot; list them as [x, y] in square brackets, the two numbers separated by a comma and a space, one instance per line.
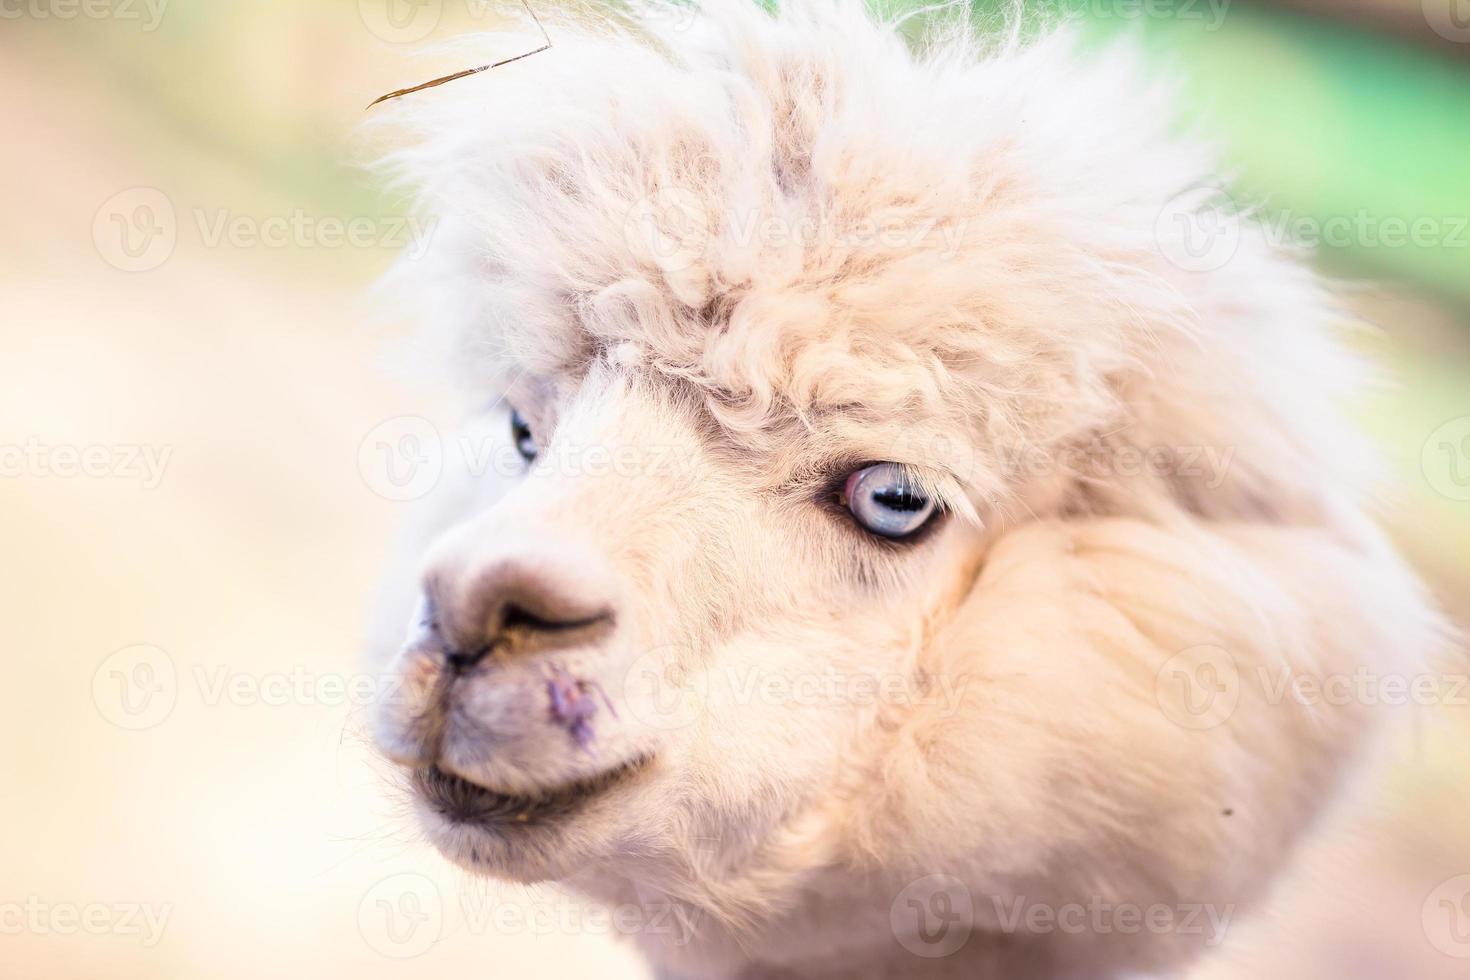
[1124, 702]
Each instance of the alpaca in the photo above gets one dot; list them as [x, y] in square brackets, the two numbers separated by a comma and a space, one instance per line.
[891, 537]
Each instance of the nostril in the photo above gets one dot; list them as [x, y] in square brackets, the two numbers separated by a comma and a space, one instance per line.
[515, 616]
[459, 662]
[511, 607]
[520, 628]
[516, 626]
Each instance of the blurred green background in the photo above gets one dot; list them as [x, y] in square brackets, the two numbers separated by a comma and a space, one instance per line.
[262, 827]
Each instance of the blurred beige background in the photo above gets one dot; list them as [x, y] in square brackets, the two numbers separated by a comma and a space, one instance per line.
[187, 367]
[245, 819]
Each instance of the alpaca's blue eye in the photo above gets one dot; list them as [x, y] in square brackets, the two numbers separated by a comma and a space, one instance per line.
[886, 501]
[524, 439]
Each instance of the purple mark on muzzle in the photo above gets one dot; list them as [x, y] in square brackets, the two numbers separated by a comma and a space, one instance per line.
[572, 704]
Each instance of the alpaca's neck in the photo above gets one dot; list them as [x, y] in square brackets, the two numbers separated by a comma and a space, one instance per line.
[845, 925]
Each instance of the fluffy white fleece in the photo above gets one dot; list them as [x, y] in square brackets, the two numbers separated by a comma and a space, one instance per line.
[781, 245]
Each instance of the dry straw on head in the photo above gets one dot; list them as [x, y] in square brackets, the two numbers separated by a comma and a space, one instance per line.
[445, 80]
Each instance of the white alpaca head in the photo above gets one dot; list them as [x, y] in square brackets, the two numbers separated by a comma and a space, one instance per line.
[721, 266]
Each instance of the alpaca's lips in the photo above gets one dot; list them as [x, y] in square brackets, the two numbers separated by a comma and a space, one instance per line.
[461, 801]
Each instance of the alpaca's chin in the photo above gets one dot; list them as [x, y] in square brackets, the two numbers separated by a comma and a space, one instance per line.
[525, 836]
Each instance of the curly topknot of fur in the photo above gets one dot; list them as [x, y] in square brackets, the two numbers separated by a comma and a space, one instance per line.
[803, 217]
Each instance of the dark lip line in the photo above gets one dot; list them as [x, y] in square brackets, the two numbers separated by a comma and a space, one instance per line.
[461, 801]
[546, 636]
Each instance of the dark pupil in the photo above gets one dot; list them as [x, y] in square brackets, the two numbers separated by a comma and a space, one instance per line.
[900, 499]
